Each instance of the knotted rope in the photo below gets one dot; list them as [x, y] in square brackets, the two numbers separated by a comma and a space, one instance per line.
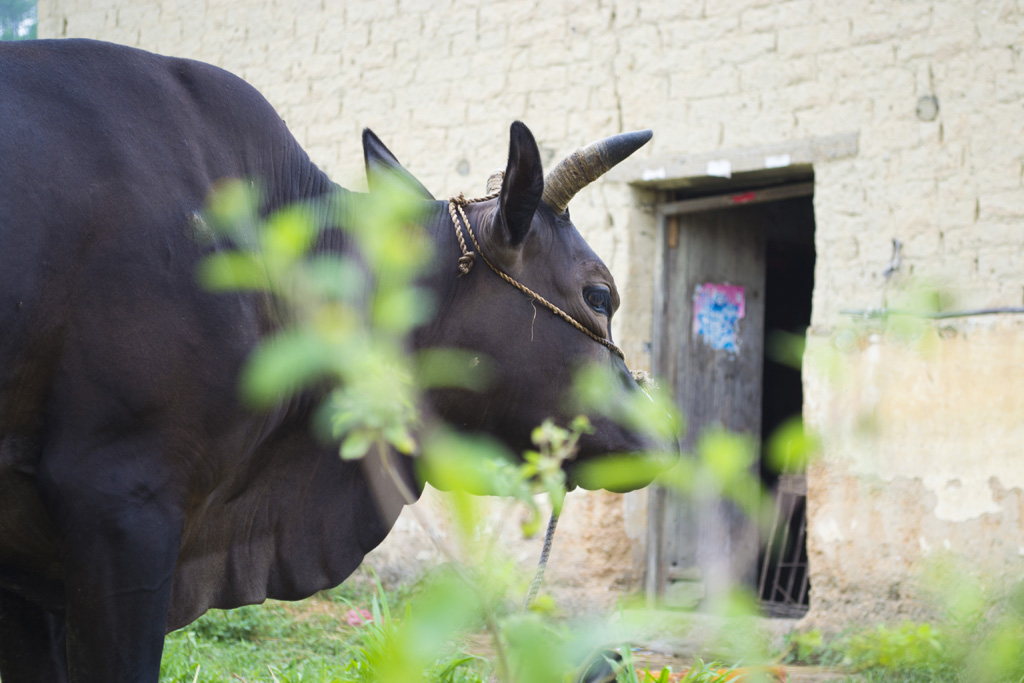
[456, 207]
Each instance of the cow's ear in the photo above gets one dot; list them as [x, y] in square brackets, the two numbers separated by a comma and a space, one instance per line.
[522, 186]
[384, 170]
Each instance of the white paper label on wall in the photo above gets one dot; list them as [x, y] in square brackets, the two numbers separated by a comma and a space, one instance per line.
[776, 161]
[720, 168]
[653, 173]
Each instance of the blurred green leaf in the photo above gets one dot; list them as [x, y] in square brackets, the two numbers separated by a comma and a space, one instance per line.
[284, 364]
[537, 651]
[624, 472]
[727, 456]
[471, 463]
[232, 209]
[652, 411]
[681, 477]
[452, 368]
[387, 230]
[555, 487]
[791, 447]
[337, 278]
[785, 348]
[400, 310]
[233, 270]
[356, 444]
[398, 435]
[289, 232]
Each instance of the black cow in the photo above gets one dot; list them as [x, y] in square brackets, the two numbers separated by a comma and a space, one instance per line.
[137, 490]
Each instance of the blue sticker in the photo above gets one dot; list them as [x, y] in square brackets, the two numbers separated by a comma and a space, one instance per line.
[717, 311]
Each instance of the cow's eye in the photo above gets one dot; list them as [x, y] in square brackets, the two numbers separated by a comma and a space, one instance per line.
[599, 298]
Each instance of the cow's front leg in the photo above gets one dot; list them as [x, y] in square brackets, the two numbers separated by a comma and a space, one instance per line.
[32, 642]
[119, 532]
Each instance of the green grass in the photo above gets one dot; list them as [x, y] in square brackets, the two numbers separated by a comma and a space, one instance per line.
[312, 641]
[280, 642]
[296, 642]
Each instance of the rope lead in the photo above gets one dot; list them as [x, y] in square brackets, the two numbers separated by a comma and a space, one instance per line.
[456, 208]
[538, 577]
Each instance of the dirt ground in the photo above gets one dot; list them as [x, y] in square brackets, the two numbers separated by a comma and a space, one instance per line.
[654, 661]
[675, 639]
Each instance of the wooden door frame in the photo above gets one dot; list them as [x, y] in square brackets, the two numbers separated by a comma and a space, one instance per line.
[655, 581]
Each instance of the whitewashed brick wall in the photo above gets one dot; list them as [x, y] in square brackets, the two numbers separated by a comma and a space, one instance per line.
[441, 81]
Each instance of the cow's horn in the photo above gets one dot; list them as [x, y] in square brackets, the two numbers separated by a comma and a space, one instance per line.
[586, 165]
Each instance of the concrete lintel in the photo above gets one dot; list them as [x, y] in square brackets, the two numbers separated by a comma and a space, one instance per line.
[668, 170]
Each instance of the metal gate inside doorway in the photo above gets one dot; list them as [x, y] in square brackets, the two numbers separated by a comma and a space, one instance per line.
[785, 580]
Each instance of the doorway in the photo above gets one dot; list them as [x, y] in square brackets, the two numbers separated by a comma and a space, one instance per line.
[737, 275]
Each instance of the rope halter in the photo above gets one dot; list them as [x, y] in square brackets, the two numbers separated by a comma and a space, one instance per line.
[457, 208]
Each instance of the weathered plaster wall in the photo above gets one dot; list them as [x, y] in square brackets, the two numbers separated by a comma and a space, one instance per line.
[924, 441]
[440, 81]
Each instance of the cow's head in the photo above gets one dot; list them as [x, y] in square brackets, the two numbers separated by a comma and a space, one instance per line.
[527, 234]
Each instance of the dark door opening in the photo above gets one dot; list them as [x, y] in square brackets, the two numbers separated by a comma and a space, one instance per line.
[783, 582]
[753, 248]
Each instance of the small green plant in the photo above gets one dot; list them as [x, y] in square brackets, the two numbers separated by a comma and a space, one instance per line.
[698, 672]
[978, 640]
[416, 645]
[807, 647]
[906, 646]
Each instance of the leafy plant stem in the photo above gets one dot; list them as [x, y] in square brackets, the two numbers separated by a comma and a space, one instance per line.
[490, 619]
